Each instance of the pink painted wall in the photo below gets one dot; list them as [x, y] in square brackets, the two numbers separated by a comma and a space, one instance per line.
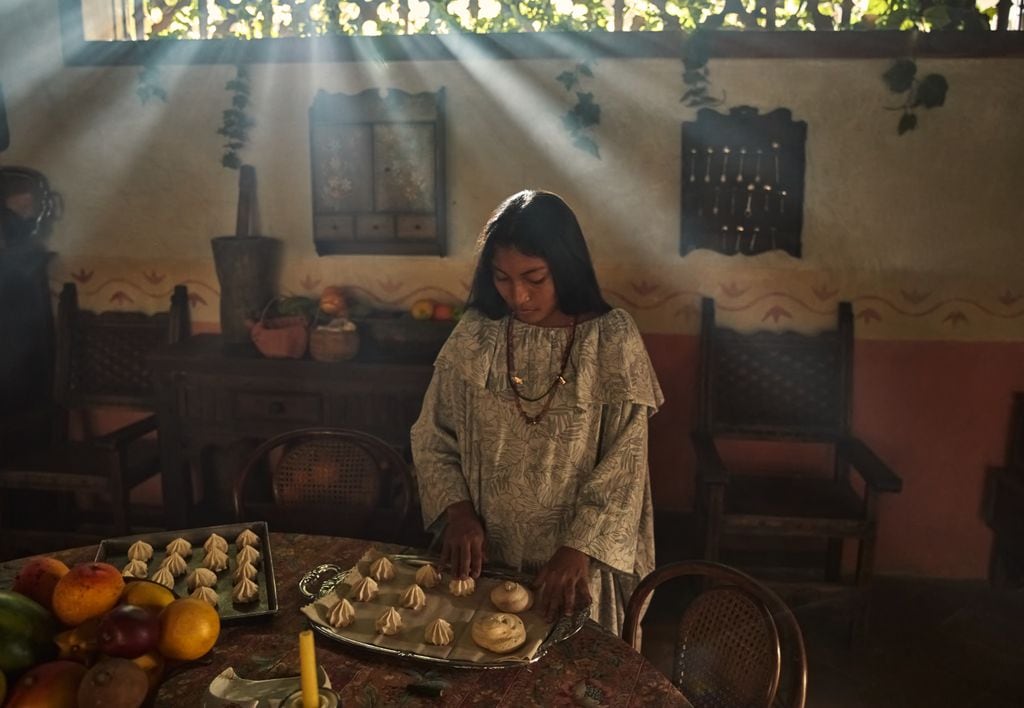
[937, 412]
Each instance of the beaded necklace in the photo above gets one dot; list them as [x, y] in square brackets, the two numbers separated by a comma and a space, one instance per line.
[514, 381]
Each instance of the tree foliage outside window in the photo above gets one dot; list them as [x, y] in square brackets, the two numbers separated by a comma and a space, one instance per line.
[261, 19]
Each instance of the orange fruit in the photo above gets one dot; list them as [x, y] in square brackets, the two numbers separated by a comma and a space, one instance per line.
[38, 577]
[146, 593]
[188, 629]
[87, 590]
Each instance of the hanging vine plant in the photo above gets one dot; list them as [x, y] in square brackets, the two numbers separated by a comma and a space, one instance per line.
[580, 120]
[696, 51]
[235, 123]
[927, 92]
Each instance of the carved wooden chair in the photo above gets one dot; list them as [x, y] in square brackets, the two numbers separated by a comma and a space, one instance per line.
[737, 643]
[1004, 506]
[101, 360]
[785, 386]
[327, 480]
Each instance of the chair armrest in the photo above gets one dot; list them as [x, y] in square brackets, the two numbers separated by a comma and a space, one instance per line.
[875, 472]
[709, 463]
[129, 433]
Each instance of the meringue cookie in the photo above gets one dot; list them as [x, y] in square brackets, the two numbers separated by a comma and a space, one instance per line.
[462, 588]
[382, 569]
[180, 546]
[439, 633]
[201, 577]
[427, 576]
[244, 570]
[175, 563]
[164, 577]
[342, 614]
[215, 541]
[364, 590]
[247, 538]
[135, 569]
[413, 598]
[207, 595]
[389, 623]
[248, 554]
[216, 560]
[245, 591]
[511, 597]
[500, 633]
[140, 551]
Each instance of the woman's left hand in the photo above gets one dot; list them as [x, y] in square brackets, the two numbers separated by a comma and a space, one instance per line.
[564, 583]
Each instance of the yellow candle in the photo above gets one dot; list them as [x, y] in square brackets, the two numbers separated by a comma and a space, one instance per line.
[307, 669]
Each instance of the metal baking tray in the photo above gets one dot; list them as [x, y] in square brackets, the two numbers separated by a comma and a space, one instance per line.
[324, 578]
[115, 552]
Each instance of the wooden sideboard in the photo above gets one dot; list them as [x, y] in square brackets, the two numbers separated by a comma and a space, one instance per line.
[213, 396]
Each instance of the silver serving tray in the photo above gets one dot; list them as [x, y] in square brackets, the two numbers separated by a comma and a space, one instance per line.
[115, 552]
[324, 578]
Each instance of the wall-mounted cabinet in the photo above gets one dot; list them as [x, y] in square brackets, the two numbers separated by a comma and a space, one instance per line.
[378, 172]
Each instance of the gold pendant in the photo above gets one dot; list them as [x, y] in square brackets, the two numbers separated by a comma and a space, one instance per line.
[561, 381]
[517, 380]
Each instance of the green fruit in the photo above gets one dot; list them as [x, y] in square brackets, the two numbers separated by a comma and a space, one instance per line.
[26, 633]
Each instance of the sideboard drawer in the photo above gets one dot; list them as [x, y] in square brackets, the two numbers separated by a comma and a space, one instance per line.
[292, 407]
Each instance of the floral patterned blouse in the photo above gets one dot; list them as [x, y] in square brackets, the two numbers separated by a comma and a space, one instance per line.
[577, 478]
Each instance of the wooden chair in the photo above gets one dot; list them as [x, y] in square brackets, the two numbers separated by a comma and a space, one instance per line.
[786, 387]
[327, 480]
[101, 359]
[1004, 506]
[737, 643]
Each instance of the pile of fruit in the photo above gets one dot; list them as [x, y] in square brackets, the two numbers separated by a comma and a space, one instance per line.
[84, 637]
[427, 309]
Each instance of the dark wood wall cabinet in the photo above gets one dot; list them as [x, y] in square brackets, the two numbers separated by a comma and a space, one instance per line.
[211, 398]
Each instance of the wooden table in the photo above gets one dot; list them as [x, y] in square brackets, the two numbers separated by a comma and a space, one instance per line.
[211, 397]
[593, 668]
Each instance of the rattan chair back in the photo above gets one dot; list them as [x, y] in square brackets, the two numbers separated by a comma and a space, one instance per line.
[737, 643]
[329, 480]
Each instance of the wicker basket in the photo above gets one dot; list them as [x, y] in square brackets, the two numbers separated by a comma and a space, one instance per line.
[280, 337]
[333, 345]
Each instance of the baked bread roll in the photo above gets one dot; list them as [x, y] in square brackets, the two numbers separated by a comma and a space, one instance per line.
[180, 546]
[175, 563]
[201, 577]
[342, 614]
[382, 569]
[511, 597]
[428, 576]
[135, 569]
[245, 591]
[247, 538]
[140, 551]
[207, 595]
[389, 623]
[164, 577]
[439, 633]
[413, 598]
[244, 570]
[248, 554]
[462, 588]
[364, 590]
[216, 560]
[215, 541]
[500, 633]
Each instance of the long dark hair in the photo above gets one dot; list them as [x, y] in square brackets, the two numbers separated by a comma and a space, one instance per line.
[538, 224]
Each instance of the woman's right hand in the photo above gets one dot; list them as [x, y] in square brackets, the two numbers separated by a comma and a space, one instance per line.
[462, 550]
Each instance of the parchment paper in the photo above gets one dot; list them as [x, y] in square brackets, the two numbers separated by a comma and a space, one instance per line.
[459, 611]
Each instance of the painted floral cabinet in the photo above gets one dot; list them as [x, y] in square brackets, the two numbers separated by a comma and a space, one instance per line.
[377, 159]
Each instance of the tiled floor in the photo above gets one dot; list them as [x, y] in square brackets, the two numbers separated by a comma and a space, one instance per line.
[928, 644]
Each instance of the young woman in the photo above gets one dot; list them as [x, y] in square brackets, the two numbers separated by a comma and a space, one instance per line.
[531, 448]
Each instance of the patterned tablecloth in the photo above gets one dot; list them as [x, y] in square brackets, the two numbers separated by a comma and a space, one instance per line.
[593, 668]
